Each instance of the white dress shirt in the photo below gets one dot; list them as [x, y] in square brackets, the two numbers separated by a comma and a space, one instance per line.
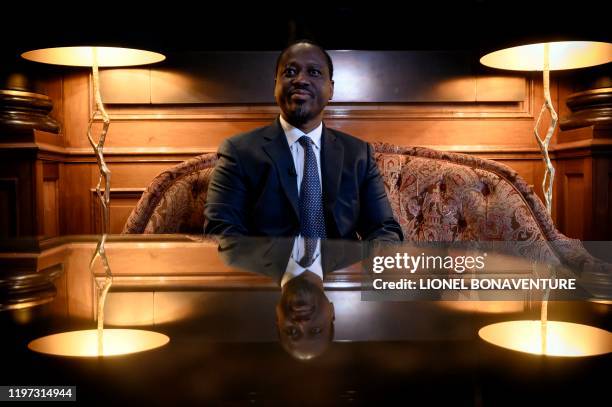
[297, 151]
[293, 267]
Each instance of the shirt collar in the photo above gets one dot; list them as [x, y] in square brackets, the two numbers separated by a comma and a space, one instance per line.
[293, 133]
[294, 268]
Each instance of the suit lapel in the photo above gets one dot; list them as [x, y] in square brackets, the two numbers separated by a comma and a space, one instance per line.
[278, 151]
[331, 168]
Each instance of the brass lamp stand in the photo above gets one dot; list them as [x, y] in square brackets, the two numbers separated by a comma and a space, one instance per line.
[95, 57]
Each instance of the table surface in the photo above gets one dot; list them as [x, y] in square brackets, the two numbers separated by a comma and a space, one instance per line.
[218, 309]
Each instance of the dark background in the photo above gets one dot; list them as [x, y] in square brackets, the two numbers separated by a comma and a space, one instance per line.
[175, 26]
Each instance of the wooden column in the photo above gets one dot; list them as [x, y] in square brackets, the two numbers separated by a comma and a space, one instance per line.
[29, 159]
[584, 163]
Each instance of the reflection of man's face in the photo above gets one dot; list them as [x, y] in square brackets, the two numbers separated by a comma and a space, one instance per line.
[303, 85]
[304, 317]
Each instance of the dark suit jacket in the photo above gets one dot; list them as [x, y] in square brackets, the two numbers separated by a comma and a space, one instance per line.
[253, 190]
[269, 255]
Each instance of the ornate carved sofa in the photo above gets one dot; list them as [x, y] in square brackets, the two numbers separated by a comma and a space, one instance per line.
[435, 196]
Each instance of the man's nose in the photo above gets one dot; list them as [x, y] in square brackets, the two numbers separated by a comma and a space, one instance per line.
[301, 78]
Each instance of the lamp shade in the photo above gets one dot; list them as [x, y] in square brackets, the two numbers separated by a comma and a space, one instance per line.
[562, 55]
[84, 56]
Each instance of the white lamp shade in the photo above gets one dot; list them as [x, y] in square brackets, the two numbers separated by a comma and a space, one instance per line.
[84, 56]
[562, 55]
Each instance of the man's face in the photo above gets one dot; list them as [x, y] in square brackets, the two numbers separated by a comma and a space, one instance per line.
[303, 86]
[304, 317]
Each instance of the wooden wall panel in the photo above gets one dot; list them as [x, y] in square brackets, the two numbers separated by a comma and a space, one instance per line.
[606, 233]
[8, 207]
[50, 197]
[169, 136]
[78, 277]
[76, 103]
[360, 77]
[18, 180]
[122, 201]
[575, 196]
[76, 205]
[129, 309]
[144, 139]
[51, 225]
[129, 179]
[126, 86]
[602, 199]
[574, 186]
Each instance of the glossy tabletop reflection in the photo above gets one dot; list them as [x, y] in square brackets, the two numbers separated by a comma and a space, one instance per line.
[246, 325]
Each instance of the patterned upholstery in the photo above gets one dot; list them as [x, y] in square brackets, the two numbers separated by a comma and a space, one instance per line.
[435, 196]
[438, 196]
[174, 202]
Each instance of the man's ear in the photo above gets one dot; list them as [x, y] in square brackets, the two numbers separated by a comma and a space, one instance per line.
[331, 94]
[333, 311]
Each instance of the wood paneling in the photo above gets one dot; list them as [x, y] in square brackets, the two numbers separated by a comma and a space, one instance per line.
[79, 277]
[500, 88]
[50, 197]
[607, 228]
[77, 104]
[75, 215]
[8, 207]
[575, 196]
[144, 140]
[494, 120]
[133, 309]
[19, 175]
[574, 186]
[50, 191]
[126, 86]
[360, 77]
[122, 201]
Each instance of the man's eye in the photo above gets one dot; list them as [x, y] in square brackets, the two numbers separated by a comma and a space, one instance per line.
[315, 72]
[291, 331]
[316, 331]
[289, 72]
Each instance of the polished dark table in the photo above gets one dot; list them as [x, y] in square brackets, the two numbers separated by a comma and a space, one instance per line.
[224, 345]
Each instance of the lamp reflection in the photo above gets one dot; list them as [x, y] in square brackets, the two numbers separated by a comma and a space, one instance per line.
[85, 343]
[99, 342]
[562, 338]
[483, 306]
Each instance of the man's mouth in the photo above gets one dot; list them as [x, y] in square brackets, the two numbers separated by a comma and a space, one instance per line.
[300, 94]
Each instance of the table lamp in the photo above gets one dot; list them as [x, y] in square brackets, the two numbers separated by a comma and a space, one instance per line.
[552, 338]
[546, 57]
[97, 342]
[96, 57]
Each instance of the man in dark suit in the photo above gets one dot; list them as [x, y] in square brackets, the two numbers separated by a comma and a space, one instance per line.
[297, 176]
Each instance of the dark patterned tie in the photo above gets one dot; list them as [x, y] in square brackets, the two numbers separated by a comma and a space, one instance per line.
[310, 246]
[312, 220]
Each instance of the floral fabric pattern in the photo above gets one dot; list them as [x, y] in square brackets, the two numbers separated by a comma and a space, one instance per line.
[174, 202]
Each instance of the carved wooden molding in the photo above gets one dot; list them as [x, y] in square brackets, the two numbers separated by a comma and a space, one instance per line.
[590, 108]
[23, 111]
